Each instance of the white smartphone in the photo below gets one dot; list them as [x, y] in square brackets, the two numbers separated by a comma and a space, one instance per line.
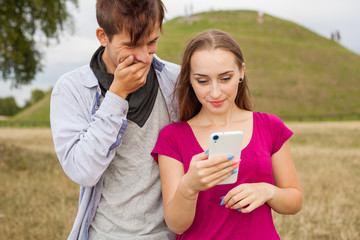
[226, 143]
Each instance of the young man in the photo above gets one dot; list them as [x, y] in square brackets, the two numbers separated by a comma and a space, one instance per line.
[105, 119]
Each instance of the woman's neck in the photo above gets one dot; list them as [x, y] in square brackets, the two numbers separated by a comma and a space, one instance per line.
[205, 118]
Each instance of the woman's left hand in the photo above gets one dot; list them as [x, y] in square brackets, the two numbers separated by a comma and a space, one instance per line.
[249, 196]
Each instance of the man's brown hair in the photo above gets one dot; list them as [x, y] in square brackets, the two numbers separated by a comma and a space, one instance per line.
[136, 17]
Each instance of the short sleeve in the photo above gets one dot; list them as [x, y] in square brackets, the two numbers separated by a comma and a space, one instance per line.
[167, 144]
[279, 131]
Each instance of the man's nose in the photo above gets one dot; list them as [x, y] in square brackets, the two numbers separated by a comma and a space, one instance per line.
[142, 54]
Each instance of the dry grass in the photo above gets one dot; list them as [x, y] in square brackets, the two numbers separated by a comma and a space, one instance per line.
[327, 158]
[33, 139]
[37, 200]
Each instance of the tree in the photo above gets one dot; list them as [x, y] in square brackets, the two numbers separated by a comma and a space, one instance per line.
[8, 106]
[21, 22]
[36, 95]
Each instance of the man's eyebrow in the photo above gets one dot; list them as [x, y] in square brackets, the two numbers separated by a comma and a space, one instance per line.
[129, 44]
[132, 44]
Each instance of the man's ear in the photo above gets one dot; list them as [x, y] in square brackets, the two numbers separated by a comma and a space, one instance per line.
[101, 36]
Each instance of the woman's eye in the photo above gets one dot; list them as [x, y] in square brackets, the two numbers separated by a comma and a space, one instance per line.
[202, 81]
[227, 78]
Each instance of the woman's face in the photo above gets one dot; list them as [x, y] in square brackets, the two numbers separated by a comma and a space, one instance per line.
[214, 77]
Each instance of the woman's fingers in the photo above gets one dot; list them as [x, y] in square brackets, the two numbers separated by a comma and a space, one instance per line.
[246, 197]
[214, 178]
[206, 173]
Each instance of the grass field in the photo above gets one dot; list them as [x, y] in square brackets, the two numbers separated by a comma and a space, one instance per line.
[38, 201]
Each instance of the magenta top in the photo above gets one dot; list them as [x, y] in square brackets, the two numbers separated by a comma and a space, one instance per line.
[213, 221]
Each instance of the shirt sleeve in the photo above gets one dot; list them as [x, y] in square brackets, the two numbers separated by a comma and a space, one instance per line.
[280, 133]
[167, 144]
[85, 143]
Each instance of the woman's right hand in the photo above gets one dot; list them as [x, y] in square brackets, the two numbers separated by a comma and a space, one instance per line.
[205, 173]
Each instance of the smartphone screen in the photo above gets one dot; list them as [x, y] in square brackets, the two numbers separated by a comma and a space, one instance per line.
[226, 143]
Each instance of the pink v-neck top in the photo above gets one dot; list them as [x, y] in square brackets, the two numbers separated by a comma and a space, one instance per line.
[213, 221]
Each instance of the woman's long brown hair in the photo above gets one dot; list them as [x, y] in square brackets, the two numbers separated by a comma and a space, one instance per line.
[189, 105]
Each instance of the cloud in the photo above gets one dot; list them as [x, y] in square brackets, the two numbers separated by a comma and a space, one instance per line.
[71, 49]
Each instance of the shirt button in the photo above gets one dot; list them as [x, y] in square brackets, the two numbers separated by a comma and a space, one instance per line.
[119, 137]
[96, 107]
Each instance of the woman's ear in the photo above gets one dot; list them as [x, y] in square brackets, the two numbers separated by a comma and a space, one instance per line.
[101, 36]
[242, 70]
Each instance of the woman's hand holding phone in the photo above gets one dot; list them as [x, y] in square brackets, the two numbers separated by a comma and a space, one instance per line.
[205, 173]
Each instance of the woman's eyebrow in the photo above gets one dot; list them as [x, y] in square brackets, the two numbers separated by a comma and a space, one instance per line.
[200, 75]
[227, 72]
[220, 74]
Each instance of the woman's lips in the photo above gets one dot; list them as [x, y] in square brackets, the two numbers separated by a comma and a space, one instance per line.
[217, 103]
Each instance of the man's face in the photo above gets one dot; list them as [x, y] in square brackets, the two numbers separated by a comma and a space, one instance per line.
[121, 47]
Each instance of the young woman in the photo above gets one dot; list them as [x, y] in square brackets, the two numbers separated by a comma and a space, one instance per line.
[214, 97]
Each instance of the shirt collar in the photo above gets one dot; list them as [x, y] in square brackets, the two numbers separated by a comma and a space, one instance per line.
[158, 64]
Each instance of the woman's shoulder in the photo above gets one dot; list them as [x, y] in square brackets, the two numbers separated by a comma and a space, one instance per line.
[174, 128]
[273, 123]
[268, 117]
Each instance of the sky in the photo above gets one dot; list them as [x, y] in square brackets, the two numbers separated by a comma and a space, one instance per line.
[78, 42]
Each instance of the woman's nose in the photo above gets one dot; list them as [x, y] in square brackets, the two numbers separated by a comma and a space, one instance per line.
[215, 91]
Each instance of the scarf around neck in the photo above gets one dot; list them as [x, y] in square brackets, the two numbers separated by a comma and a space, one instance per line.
[141, 102]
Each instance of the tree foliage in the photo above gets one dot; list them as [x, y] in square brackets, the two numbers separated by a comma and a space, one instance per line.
[36, 95]
[8, 106]
[21, 23]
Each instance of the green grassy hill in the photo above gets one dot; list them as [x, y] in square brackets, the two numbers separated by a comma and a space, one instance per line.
[37, 112]
[291, 70]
